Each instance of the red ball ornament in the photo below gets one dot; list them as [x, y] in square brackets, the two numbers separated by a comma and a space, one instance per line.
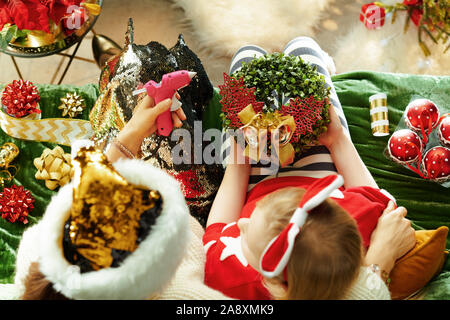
[405, 146]
[21, 98]
[444, 131]
[422, 115]
[15, 204]
[436, 164]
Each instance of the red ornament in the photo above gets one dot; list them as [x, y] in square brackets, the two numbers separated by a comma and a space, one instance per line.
[436, 164]
[372, 16]
[405, 146]
[306, 112]
[15, 204]
[444, 131]
[235, 97]
[21, 98]
[422, 115]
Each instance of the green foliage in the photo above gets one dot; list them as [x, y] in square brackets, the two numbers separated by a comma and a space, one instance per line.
[284, 74]
[10, 33]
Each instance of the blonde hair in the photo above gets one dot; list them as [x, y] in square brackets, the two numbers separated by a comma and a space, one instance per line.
[327, 253]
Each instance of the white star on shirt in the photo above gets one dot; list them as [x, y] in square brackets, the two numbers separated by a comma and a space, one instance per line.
[233, 248]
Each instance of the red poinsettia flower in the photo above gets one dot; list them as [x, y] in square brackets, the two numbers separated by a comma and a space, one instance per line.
[4, 14]
[58, 9]
[29, 14]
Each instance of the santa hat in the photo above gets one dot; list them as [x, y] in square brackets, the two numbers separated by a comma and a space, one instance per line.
[275, 256]
[115, 232]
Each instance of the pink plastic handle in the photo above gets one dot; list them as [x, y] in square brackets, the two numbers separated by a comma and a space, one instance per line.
[164, 123]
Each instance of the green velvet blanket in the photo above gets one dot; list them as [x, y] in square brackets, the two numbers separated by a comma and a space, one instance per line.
[428, 203]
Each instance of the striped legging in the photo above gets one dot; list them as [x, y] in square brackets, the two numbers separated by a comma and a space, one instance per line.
[316, 161]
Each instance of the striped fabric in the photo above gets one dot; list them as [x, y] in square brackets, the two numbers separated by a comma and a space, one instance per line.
[315, 162]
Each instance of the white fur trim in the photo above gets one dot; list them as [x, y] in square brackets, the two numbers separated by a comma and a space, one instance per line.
[147, 270]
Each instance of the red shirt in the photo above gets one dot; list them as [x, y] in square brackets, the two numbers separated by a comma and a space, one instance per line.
[226, 268]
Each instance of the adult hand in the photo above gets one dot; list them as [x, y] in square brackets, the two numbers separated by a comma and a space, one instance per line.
[392, 238]
[142, 124]
[143, 121]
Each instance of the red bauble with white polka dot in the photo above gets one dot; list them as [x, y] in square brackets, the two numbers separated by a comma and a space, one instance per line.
[436, 164]
[422, 115]
[444, 131]
[405, 146]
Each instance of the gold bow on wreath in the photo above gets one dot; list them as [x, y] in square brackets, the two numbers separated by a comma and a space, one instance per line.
[258, 125]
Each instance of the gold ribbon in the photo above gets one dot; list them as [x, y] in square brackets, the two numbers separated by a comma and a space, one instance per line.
[55, 130]
[54, 166]
[257, 125]
[8, 152]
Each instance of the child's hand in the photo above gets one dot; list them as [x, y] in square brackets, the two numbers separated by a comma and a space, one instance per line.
[143, 121]
[335, 130]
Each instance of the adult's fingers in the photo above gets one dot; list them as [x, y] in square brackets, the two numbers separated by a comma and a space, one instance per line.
[180, 113]
[176, 120]
[147, 102]
[163, 106]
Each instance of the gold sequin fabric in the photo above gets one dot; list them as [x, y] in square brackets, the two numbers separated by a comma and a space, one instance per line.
[135, 66]
[109, 215]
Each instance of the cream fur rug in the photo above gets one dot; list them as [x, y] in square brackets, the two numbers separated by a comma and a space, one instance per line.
[223, 26]
[389, 50]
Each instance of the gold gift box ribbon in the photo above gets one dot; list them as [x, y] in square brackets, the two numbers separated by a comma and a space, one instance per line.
[261, 124]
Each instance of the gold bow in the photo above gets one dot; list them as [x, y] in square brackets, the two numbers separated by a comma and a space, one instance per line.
[255, 129]
[54, 166]
[72, 105]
